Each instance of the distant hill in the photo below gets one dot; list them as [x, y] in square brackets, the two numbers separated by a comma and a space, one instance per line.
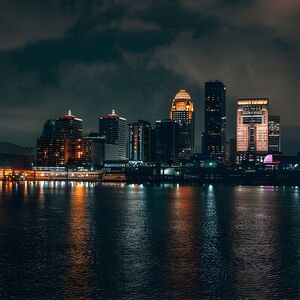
[12, 149]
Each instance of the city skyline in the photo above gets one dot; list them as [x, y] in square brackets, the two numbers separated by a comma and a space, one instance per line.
[198, 136]
[86, 55]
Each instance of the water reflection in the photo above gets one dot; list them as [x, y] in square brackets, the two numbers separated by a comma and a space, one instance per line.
[182, 237]
[78, 256]
[133, 246]
[79, 240]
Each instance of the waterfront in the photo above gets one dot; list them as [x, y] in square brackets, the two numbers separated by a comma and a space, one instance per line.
[71, 240]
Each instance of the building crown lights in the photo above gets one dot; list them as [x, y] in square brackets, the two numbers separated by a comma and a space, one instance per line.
[182, 95]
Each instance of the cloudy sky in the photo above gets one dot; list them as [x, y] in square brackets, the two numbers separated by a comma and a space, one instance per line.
[133, 56]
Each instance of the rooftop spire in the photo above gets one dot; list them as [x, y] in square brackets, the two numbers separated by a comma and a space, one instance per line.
[69, 113]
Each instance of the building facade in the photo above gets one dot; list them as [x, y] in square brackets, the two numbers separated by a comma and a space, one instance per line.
[140, 141]
[114, 129]
[97, 151]
[61, 142]
[182, 112]
[49, 129]
[52, 152]
[252, 129]
[68, 127]
[274, 134]
[167, 141]
[214, 137]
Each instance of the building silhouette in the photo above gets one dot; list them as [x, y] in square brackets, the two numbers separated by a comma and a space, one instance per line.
[61, 142]
[214, 137]
[141, 141]
[114, 129]
[167, 141]
[68, 126]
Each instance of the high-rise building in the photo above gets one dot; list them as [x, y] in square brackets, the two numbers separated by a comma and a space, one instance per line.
[182, 112]
[52, 152]
[114, 129]
[68, 127]
[167, 141]
[274, 134]
[97, 151]
[214, 138]
[61, 142]
[140, 141]
[252, 129]
[49, 129]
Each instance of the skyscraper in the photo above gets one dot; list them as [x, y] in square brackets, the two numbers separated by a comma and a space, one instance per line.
[214, 138]
[252, 129]
[167, 141]
[140, 141]
[61, 142]
[68, 127]
[182, 112]
[114, 129]
[49, 129]
[52, 152]
[274, 134]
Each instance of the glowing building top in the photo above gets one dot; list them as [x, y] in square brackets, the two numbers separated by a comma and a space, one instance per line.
[182, 103]
[182, 112]
[182, 94]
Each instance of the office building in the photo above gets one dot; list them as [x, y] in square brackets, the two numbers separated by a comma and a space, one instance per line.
[274, 134]
[182, 112]
[114, 129]
[140, 142]
[68, 127]
[49, 129]
[97, 151]
[52, 152]
[252, 129]
[167, 141]
[214, 137]
[61, 143]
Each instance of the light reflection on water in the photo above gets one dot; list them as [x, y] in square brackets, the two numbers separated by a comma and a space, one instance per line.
[138, 241]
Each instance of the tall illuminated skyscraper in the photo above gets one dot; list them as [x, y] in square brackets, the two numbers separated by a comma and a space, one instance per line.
[182, 112]
[252, 129]
[69, 127]
[61, 142]
[274, 134]
[140, 141]
[214, 138]
[114, 129]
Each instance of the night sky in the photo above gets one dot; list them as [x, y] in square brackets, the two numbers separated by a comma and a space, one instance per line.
[94, 55]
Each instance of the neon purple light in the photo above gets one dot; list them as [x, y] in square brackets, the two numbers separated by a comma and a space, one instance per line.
[268, 159]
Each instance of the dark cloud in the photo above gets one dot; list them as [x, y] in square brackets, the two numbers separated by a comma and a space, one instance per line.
[92, 56]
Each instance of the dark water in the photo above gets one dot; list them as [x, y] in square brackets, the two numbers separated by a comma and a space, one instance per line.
[90, 241]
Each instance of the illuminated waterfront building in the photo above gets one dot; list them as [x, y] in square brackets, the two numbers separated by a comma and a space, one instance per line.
[114, 129]
[140, 141]
[167, 141]
[182, 112]
[69, 127]
[274, 134]
[52, 152]
[97, 151]
[61, 142]
[252, 129]
[214, 138]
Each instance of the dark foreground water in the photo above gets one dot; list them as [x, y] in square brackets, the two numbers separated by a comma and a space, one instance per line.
[87, 241]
